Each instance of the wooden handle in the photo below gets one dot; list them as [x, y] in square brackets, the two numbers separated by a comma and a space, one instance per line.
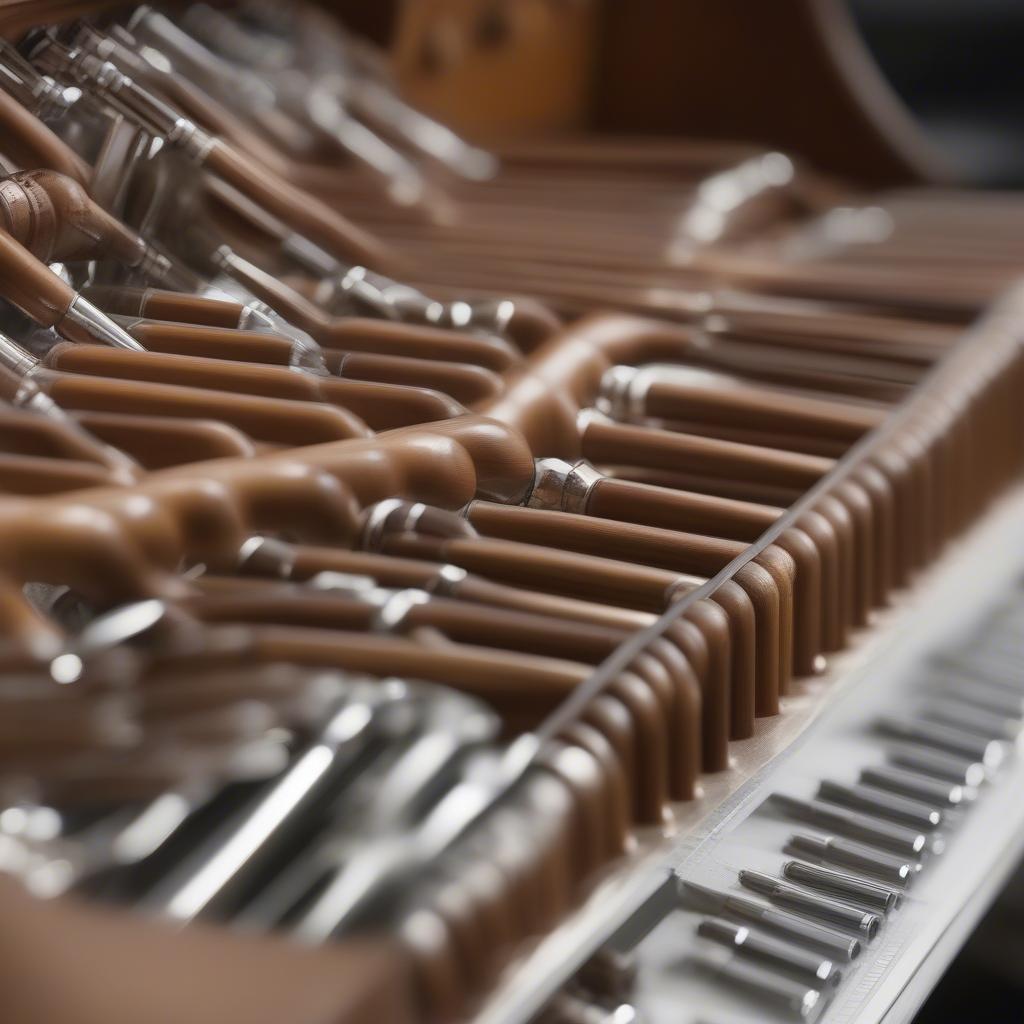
[55, 219]
[234, 979]
[618, 444]
[276, 421]
[158, 304]
[184, 371]
[462, 382]
[381, 337]
[685, 511]
[65, 542]
[158, 442]
[34, 475]
[30, 285]
[390, 406]
[718, 400]
[213, 342]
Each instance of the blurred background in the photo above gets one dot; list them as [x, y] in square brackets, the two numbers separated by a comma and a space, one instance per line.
[880, 91]
[957, 65]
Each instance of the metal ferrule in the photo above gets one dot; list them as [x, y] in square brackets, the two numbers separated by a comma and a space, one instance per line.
[92, 65]
[16, 359]
[193, 142]
[375, 291]
[342, 582]
[255, 316]
[32, 399]
[265, 556]
[489, 316]
[870, 895]
[810, 903]
[258, 317]
[153, 265]
[562, 487]
[895, 870]
[891, 806]
[446, 582]
[309, 255]
[378, 523]
[84, 322]
[484, 316]
[395, 610]
[908, 842]
[773, 952]
[39, 93]
[623, 392]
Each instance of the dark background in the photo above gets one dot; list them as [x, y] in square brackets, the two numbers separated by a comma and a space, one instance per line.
[959, 65]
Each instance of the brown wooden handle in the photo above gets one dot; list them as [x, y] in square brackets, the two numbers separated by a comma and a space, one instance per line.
[66, 542]
[546, 570]
[722, 401]
[381, 406]
[55, 219]
[421, 466]
[34, 475]
[381, 337]
[273, 420]
[157, 442]
[159, 304]
[234, 979]
[502, 459]
[390, 406]
[617, 444]
[31, 144]
[769, 586]
[213, 342]
[30, 285]
[183, 371]
[179, 517]
[462, 382]
[697, 513]
[24, 433]
[287, 496]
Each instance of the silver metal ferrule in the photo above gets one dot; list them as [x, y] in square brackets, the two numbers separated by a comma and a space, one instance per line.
[898, 871]
[376, 522]
[446, 582]
[188, 137]
[812, 904]
[84, 322]
[578, 488]
[623, 392]
[395, 610]
[374, 291]
[562, 486]
[309, 255]
[880, 899]
[265, 556]
[487, 316]
[14, 358]
[770, 951]
[350, 583]
[307, 355]
[154, 266]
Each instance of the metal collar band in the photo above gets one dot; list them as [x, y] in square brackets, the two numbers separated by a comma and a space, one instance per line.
[561, 486]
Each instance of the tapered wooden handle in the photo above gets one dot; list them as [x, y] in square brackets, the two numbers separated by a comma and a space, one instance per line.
[30, 285]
